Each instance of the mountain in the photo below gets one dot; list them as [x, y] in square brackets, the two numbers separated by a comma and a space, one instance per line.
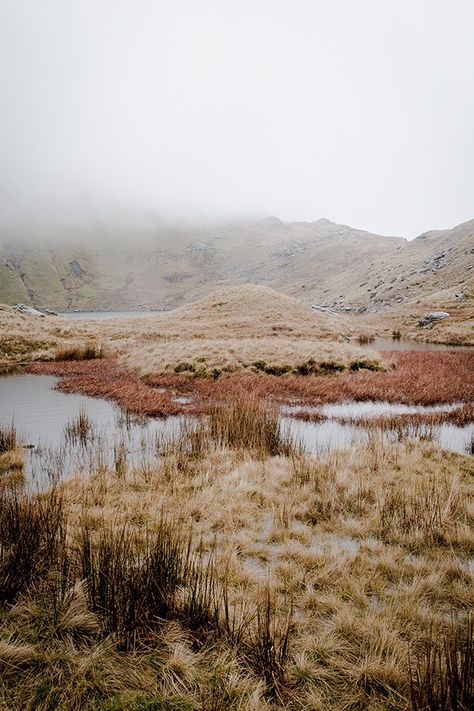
[147, 263]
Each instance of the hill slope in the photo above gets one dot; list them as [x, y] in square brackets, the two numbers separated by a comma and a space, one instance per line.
[150, 264]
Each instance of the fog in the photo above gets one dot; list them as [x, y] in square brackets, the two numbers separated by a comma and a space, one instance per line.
[361, 112]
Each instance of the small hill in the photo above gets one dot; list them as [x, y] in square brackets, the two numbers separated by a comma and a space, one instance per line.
[233, 329]
[251, 311]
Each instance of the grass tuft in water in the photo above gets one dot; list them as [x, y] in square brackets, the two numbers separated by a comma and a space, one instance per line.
[8, 438]
[80, 428]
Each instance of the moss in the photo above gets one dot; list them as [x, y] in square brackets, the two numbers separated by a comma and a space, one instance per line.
[304, 368]
[331, 367]
[277, 369]
[365, 365]
[185, 367]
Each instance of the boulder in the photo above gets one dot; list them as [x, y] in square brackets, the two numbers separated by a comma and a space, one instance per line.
[28, 310]
[428, 320]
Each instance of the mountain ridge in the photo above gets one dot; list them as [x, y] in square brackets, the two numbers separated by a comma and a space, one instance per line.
[153, 264]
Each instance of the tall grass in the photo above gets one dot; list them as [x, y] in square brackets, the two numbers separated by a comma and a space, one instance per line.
[248, 424]
[8, 438]
[110, 600]
[133, 584]
[84, 351]
[426, 516]
[269, 649]
[32, 542]
[442, 671]
[79, 428]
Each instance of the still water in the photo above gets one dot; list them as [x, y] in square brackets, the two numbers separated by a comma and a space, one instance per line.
[41, 414]
[386, 344]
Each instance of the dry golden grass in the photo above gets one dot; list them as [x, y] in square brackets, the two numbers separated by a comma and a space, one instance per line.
[27, 338]
[371, 546]
[229, 329]
[327, 572]
[236, 354]
[305, 582]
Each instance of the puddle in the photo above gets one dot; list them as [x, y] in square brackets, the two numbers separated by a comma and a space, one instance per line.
[327, 435]
[181, 399]
[343, 544]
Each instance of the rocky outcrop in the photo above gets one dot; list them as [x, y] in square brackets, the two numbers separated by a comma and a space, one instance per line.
[28, 310]
[428, 320]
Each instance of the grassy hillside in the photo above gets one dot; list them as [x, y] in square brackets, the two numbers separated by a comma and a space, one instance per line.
[149, 264]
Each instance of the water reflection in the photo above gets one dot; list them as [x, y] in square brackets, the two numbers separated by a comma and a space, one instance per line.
[41, 415]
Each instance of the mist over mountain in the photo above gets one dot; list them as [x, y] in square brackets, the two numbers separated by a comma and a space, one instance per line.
[144, 261]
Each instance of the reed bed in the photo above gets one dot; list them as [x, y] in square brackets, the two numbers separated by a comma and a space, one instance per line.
[416, 378]
[248, 424]
[442, 671]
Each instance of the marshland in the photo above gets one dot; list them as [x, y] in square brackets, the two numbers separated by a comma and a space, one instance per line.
[236, 356]
[190, 525]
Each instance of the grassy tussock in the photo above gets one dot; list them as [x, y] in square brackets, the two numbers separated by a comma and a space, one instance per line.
[84, 351]
[8, 438]
[247, 424]
[427, 515]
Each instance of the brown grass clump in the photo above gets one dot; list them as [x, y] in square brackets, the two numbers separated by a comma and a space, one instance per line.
[247, 424]
[85, 351]
[8, 438]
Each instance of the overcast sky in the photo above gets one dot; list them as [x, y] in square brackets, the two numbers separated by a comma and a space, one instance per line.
[361, 111]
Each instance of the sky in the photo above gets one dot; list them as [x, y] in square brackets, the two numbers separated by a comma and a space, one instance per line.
[358, 111]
